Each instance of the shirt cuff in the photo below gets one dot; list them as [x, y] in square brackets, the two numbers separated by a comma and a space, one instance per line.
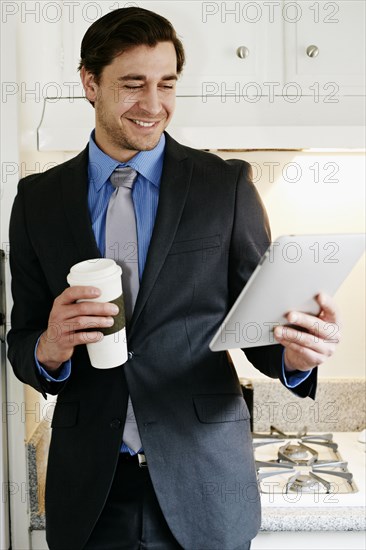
[63, 373]
[294, 378]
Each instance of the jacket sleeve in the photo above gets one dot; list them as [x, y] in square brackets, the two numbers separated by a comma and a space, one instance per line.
[32, 301]
[251, 237]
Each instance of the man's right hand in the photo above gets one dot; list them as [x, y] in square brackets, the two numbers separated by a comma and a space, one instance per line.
[70, 322]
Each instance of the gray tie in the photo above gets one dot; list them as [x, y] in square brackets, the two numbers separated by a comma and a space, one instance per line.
[121, 234]
[121, 245]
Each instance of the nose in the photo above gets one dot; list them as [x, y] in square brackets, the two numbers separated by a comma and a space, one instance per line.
[150, 101]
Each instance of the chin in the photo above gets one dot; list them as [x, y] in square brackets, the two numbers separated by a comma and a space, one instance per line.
[145, 144]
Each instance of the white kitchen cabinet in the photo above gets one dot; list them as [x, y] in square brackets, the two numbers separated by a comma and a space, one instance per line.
[303, 43]
[210, 44]
[279, 94]
[212, 33]
[335, 31]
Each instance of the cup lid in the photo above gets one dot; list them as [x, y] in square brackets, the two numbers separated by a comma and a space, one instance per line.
[97, 268]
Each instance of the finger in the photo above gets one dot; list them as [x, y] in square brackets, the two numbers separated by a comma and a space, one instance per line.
[88, 337]
[78, 324]
[63, 339]
[63, 334]
[74, 293]
[327, 331]
[87, 309]
[288, 335]
[83, 337]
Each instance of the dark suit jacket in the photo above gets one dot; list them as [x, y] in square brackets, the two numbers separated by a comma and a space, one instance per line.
[210, 232]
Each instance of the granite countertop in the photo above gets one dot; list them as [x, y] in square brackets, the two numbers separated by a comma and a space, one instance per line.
[37, 455]
[345, 518]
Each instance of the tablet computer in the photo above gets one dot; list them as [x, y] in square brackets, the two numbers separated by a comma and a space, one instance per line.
[293, 270]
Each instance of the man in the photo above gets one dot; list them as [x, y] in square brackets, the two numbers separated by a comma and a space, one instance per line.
[201, 230]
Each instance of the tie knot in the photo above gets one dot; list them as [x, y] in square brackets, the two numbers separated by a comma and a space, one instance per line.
[123, 177]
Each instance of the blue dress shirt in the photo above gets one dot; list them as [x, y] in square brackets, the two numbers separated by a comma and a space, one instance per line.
[145, 192]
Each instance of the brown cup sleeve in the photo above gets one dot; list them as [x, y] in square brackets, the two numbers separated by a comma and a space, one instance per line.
[119, 319]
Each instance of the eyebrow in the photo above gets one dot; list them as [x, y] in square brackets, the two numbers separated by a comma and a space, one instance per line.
[143, 77]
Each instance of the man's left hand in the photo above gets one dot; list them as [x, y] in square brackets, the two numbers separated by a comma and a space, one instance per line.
[310, 339]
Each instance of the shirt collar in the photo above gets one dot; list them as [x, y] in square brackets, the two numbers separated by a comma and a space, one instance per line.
[148, 163]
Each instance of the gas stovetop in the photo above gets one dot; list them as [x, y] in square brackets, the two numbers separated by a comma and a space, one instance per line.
[301, 464]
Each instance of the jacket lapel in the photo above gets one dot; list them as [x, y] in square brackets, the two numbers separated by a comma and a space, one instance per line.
[175, 182]
[74, 185]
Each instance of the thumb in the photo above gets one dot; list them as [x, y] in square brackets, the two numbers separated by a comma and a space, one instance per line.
[329, 311]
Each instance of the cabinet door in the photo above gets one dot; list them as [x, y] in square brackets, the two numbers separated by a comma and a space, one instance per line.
[211, 33]
[325, 47]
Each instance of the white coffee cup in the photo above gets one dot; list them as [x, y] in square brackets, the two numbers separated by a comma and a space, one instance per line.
[111, 351]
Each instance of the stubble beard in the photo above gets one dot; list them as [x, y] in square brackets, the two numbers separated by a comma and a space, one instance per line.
[117, 137]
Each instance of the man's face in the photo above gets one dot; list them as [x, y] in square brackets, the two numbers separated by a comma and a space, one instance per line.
[134, 100]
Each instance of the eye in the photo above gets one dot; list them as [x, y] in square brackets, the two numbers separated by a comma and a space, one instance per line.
[132, 87]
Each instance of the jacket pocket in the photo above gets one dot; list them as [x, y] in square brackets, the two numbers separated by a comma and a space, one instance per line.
[65, 415]
[196, 245]
[220, 408]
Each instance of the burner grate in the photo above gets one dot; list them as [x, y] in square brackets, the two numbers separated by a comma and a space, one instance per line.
[309, 465]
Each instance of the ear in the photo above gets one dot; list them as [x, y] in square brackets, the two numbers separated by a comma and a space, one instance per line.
[89, 84]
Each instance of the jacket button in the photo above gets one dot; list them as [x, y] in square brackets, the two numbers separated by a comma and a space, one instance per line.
[115, 424]
[130, 355]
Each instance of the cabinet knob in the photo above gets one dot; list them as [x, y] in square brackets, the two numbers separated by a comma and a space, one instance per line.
[312, 51]
[242, 52]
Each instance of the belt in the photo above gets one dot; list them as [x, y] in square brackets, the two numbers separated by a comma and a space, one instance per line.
[138, 458]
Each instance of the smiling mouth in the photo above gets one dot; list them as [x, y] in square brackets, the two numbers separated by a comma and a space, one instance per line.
[143, 124]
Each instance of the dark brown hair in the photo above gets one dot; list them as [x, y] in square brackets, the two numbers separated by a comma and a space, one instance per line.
[122, 29]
